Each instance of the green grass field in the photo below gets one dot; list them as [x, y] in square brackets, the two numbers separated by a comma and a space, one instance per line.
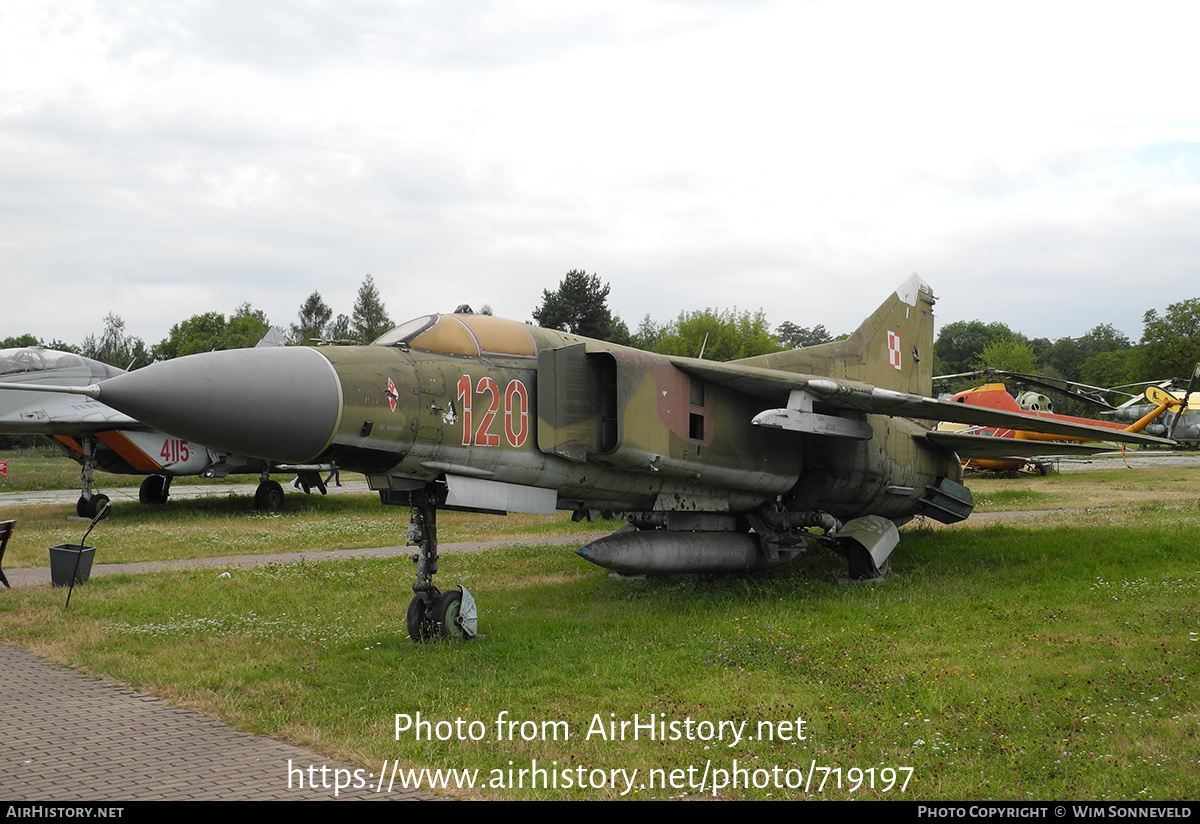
[1051, 657]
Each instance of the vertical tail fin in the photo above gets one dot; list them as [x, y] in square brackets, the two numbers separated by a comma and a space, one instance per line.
[892, 349]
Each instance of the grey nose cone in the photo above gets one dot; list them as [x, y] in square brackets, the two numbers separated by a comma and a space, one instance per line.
[277, 403]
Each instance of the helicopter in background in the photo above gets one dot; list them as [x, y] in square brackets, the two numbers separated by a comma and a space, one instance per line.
[1156, 412]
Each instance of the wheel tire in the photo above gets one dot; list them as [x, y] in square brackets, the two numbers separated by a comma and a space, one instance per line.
[420, 626]
[269, 497]
[861, 565]
[153, 490]
[97, 503]
[81, 507]
[444, 612]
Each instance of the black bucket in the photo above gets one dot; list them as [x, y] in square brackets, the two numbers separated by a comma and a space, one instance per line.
[70, 559]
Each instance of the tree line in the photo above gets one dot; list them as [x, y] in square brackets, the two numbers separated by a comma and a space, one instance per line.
[580, 305]
[1103, 356]
[212, 331]
[1169, 346]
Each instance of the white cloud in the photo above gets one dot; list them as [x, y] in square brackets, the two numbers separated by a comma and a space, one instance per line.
[1033, 162]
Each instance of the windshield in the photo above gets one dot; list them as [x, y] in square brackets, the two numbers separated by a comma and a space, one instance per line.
[406, 331]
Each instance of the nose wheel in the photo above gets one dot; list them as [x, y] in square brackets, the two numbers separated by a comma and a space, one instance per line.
[89, 507]
[453, 616]
[420, 623]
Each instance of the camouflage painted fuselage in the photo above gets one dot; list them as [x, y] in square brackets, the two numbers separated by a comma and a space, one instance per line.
[605, 427]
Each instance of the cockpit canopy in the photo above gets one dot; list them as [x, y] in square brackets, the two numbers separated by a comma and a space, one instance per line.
[468, 335]
[34, 359]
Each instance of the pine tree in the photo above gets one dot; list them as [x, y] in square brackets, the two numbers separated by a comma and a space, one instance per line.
[580, 306]
[314, 319]
[370, 318]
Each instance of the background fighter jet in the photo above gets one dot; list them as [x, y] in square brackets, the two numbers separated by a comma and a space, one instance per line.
[719, 467]
[99, 437]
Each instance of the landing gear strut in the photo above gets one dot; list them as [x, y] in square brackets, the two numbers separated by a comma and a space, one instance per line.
[432, 614]
[865, 542]
[90, 502]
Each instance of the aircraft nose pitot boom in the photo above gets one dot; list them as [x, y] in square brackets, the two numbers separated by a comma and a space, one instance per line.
[277, 403]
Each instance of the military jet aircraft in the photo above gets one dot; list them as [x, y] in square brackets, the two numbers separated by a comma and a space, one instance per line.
[99, 437]
[719, 467]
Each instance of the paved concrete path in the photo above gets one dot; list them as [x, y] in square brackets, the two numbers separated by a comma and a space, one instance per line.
[69, 737]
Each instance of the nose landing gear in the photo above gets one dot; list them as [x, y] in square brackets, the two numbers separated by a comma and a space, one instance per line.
[433, 614]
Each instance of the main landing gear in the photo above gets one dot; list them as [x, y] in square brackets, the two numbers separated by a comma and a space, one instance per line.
[155, 489]
[432, 614]
[268, 497]
[867, 544]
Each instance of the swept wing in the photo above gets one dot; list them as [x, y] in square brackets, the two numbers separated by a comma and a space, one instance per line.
[815, 399]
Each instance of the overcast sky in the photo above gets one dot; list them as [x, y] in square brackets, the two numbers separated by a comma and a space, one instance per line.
[1037, 163]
